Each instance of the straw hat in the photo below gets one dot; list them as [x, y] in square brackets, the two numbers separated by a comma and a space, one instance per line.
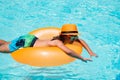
[69, 29]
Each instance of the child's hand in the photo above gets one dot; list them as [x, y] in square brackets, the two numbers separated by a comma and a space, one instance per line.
[86, 59]
[93, 54]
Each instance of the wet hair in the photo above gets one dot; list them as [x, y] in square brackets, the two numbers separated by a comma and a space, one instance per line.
[60, 37]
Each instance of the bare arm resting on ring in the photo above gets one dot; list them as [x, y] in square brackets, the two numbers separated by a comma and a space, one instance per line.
[70, 52]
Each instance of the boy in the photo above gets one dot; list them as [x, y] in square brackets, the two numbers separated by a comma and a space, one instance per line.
[69, 34]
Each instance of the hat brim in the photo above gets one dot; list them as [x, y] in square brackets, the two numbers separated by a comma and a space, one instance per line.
[69, 33]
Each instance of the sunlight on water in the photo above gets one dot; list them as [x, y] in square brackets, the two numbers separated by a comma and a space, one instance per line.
[98, 23]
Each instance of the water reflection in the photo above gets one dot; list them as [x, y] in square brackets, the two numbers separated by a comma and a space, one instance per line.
[24, 72]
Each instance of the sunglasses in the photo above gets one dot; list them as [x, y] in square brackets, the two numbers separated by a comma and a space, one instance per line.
[72, 38]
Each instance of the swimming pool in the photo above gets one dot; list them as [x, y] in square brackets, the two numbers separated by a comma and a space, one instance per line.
[98, 23]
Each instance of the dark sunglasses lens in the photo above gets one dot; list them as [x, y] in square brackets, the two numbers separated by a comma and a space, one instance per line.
[74, 37]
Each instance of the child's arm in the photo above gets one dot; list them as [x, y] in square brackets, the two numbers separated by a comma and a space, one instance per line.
[84, 44]
[71, 52]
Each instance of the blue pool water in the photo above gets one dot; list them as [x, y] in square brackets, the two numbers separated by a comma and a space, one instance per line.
[98, 22]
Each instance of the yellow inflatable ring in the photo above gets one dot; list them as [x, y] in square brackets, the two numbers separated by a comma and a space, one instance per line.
[45, 56]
